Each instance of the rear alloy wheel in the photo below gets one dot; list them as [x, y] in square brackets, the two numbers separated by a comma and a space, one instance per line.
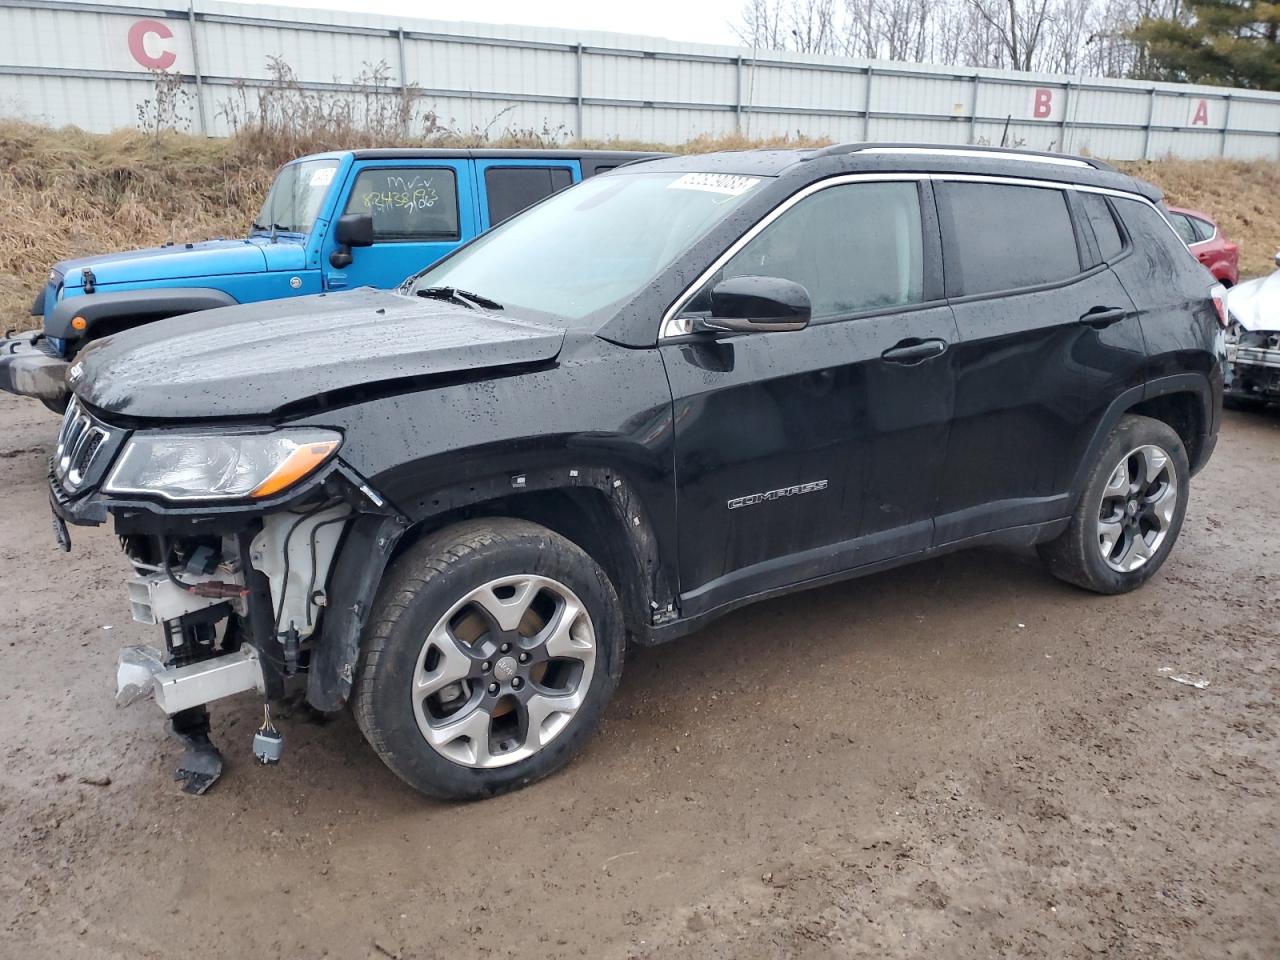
[1137, 508]
[1129, 515]
[493, 648]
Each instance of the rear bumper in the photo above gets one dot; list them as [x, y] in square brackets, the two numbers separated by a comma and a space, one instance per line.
[29, 367]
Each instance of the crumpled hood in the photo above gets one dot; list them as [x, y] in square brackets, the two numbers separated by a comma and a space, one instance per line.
[1255, 304]
[208, 258]
[254, 359]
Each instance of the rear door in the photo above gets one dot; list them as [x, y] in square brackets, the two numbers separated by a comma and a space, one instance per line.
[509, 186]
[1048, 336]
[802, 454]
[421, 211]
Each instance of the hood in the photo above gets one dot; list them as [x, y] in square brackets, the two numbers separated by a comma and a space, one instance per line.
[252, 360]
[1255, 304]
[209, 258]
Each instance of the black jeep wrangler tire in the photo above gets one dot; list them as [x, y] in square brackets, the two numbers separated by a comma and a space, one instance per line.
[419, 595]
[1077, 557]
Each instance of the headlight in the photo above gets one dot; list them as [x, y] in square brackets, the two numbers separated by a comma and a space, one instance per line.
[220, 466]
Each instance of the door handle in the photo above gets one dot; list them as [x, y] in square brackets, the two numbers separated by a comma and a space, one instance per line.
[914, 351]
[1100, 317]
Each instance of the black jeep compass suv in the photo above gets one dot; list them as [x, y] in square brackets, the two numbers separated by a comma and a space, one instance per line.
[671, 390]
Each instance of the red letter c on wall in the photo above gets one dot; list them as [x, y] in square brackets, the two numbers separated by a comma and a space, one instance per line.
[137, 44]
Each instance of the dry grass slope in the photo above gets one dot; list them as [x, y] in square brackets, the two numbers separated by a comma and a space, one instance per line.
[70, 193]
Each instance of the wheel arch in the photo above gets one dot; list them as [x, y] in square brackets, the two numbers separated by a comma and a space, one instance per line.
[1185, 402]
[596, 509]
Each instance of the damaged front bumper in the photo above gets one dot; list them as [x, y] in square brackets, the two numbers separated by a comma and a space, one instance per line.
[267, 596]
[142, 672]
[30, 366]
[1253, 358]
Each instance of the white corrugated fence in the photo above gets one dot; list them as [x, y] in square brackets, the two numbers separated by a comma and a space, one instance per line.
[90, 64]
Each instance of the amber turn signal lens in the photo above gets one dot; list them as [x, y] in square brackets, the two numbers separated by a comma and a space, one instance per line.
[79, 323]
[297, 465]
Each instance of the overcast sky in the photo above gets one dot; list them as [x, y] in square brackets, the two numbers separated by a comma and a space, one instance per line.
[694, 21]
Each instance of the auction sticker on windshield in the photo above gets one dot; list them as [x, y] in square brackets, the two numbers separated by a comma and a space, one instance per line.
[727, 183]
[322, 176]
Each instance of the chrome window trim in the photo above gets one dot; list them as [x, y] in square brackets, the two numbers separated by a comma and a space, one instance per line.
[671, 327]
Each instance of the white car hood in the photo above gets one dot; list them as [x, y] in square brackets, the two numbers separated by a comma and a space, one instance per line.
[1255, 304]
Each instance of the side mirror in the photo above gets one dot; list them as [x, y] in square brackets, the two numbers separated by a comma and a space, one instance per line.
[758, 305]
[351, 230]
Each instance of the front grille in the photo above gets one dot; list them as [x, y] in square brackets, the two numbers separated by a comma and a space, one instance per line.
[81, 444]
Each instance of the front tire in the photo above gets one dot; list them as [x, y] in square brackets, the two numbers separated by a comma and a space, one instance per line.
[495, 645]
[1131, 511]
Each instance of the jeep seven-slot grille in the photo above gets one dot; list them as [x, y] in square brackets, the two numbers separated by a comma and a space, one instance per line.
[80, 442]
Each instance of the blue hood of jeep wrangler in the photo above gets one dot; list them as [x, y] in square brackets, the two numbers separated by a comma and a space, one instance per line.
[183, 261]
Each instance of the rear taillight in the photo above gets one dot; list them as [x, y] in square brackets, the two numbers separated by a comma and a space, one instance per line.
[1219, 294]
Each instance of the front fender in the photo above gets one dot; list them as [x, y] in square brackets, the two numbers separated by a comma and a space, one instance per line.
[148, 304]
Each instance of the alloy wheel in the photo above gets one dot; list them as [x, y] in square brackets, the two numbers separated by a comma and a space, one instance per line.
[1137, 508]
[504, 671]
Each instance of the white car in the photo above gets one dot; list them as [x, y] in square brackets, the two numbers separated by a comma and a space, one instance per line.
[1253, 340]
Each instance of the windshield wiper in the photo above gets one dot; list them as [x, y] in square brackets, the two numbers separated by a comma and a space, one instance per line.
[464, 297]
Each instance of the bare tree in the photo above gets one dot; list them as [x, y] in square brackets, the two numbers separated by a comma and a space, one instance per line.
[1059, 36]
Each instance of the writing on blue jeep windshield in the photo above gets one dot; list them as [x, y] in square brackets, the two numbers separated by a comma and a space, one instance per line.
[296, 196]
[595, 245]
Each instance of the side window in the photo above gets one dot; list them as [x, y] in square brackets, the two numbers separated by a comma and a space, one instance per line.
[1005, 237]
[511, 189]
[1183, 225]
[1098, 212]
[407, 204]
[854, 247]
[1204, 229]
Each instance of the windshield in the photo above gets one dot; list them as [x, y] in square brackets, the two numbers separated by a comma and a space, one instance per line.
[296, 196]
[591, 246]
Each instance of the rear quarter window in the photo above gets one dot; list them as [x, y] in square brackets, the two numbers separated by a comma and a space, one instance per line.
[1103, 223]
[1007, 237]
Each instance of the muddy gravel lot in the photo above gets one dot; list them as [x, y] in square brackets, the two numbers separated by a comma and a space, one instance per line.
[964, 758]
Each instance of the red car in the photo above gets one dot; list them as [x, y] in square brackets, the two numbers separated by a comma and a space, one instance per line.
[1208, 243]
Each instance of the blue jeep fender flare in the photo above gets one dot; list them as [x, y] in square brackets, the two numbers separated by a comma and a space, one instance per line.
[151, 304]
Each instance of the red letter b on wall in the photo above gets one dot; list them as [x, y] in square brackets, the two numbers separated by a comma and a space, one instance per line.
[1043, 103]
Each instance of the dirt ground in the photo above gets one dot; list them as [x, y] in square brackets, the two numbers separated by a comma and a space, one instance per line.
[964, 758]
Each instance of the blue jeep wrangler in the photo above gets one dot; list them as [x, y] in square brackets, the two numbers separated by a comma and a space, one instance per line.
[408, 207]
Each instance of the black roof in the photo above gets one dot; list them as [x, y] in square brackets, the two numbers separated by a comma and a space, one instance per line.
[910, 158]
[616, 157]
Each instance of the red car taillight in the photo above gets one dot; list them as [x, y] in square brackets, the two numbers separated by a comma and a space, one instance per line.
[1219, 294]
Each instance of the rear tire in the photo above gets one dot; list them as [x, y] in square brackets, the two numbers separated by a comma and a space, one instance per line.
[1130, 513]
[494, 647]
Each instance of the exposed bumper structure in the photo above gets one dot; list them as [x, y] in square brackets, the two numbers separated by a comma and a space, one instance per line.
[141, 673]
[28, 366]
[1255, 366]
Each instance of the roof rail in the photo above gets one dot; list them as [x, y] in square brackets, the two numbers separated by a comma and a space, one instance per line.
[962, 150]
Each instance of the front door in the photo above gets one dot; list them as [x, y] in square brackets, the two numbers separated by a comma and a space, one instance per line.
[419, 212]
[802, 454]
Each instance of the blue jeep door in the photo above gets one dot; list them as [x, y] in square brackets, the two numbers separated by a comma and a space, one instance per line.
[509, 186]
[420, 212]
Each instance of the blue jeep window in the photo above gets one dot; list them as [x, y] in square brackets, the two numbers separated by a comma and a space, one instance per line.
[511, 189]
[407, 204]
